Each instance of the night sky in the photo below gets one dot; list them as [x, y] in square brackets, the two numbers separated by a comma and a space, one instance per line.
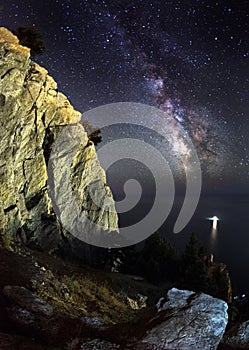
[189, 58]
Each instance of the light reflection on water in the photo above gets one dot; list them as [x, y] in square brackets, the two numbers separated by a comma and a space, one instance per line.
[229, 242]
[213, 239]
[214, 233]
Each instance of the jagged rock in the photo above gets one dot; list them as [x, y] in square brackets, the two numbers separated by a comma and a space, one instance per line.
[98, 344]
[238, 337]
[93, 321]
[32, 116]
[137, 302]
[27, 300]
[186, 321]
[7, 36]
[32, 316]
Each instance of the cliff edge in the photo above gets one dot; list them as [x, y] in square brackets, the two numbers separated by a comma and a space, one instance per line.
[33, 114]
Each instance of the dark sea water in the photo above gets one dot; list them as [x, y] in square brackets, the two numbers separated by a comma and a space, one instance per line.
[229, 244]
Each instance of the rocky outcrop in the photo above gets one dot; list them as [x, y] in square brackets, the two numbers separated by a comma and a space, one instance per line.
[31, 316]
[237, 337]
[137, 302]
[28, 301]
[33, 114]
[187, 321]
[98, 344]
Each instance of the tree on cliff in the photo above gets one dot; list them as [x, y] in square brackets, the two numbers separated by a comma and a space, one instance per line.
[157, 261]
[160, 259]
[94, 134]
[195, 267]
[29, 36]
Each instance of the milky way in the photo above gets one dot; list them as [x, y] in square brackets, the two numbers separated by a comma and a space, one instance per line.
[187, 58]
[158, 54]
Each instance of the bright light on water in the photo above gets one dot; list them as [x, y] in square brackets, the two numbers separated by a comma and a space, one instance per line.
[215, 220]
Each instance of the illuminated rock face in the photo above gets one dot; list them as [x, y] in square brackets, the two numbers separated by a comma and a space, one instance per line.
[187, 321]
[32, 115]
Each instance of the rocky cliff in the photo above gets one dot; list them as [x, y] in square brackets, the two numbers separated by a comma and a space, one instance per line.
[48, 168]
[32, 115]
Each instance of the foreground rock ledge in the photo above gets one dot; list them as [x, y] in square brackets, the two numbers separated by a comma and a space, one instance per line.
[184, 320]
[187, 321]
[32, 115]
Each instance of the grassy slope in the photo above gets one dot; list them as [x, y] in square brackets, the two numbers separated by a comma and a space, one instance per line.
[74, 289]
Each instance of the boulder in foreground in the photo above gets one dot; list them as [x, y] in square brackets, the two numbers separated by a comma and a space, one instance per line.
[187, 321]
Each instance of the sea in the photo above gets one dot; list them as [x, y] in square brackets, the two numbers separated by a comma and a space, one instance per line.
[229, 244]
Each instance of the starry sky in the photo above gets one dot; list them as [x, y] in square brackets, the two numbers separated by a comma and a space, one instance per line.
[189, 58]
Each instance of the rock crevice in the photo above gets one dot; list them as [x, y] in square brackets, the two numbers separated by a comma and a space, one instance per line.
[32, 115]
